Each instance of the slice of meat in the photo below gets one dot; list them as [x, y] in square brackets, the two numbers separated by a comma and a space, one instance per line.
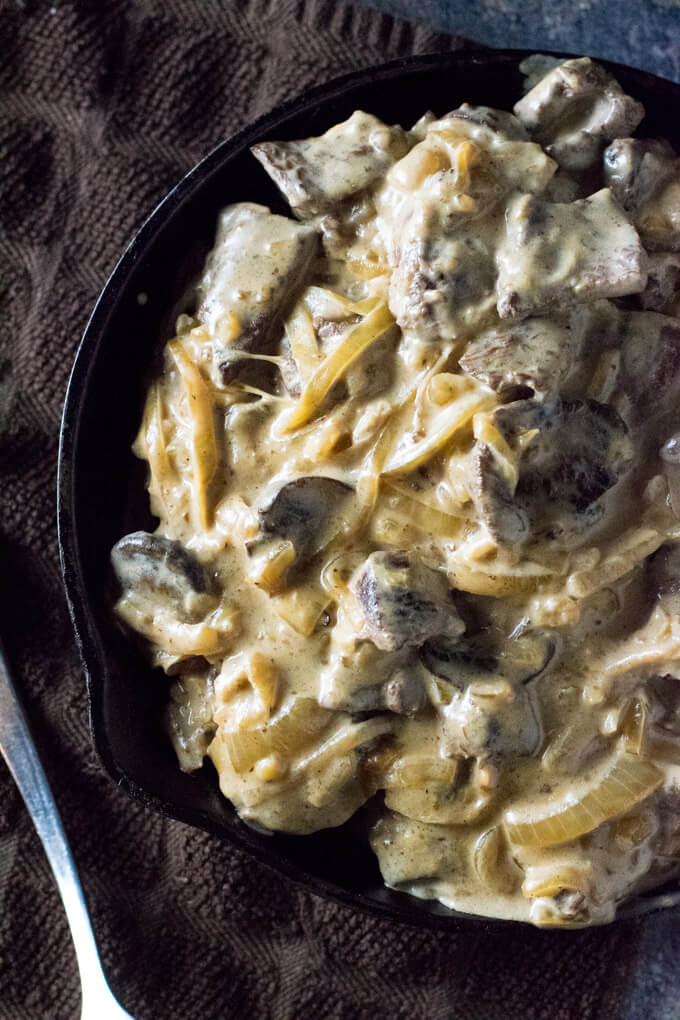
[403, 694]
[444, 286]
[404, 602]
[663, 282]
[575, 110]
[535, 353]
[600, 326]
[658, 220]
[493, 494]
[316, 175]
[634, 168]
[578, 452]
[554, 255]
[650, 365]
[258, 265]
[485, 121]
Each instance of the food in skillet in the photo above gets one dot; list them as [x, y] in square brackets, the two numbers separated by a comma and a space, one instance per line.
[415, 454]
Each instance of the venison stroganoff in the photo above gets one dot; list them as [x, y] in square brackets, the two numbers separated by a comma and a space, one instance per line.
[415, 455]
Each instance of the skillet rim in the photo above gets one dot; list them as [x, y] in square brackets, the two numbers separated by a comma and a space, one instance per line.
[383, 903]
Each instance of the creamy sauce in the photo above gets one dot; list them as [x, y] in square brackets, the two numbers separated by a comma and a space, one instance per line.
[418, 493]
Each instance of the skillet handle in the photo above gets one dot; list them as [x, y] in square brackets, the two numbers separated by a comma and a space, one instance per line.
[20, 753]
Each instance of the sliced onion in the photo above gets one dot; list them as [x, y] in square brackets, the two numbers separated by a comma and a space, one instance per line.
[456, 416]
[333, 367]
[625, 782]
[290, 731]
[496, 578]
[347, 737]
[418, 511]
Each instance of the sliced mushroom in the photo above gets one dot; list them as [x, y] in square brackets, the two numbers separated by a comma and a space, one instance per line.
[404, 602]
[536, 353]
[410, 851]
[469, 660]
[491, 719]
[578, 450]
[493, 493]
[316, 175]
[163, 570]
[575, 110]
[555, 255]
[259, 263]
[459, 662]
[658, 220]
[308, 512]
[635, 167]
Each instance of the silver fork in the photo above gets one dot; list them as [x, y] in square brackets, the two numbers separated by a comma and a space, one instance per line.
[20, 753]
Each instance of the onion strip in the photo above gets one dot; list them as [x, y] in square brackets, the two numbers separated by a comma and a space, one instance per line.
[454, 417]
[624, 783]
[203, 441]
[417, 511]
[332, 368]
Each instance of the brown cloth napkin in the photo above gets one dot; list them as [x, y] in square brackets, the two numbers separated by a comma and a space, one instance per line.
[103, 106]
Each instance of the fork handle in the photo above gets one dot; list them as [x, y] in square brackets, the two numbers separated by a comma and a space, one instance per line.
[19, 751]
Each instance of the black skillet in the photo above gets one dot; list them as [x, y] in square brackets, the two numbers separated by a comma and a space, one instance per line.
[101, 491]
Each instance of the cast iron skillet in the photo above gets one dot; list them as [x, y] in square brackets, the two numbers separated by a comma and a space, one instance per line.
[101, 493]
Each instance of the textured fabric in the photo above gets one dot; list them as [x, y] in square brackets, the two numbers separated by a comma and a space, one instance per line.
[644, 35]
[103, 106]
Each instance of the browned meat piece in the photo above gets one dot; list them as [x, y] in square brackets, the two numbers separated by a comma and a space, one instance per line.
[554, 255]
[440, 231]
[537, 354]
[506, 520]
[667, 839]
[635, 167]
[498, 122]
[491, 719]
[575, 110]
[258, 265]
[600, 326]
[403, 602]
[663, 282]
[437, 281]
[650, 364]
[465, 661]
[658, 220]
[317, 175]
[644, 175]
[581, 450]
